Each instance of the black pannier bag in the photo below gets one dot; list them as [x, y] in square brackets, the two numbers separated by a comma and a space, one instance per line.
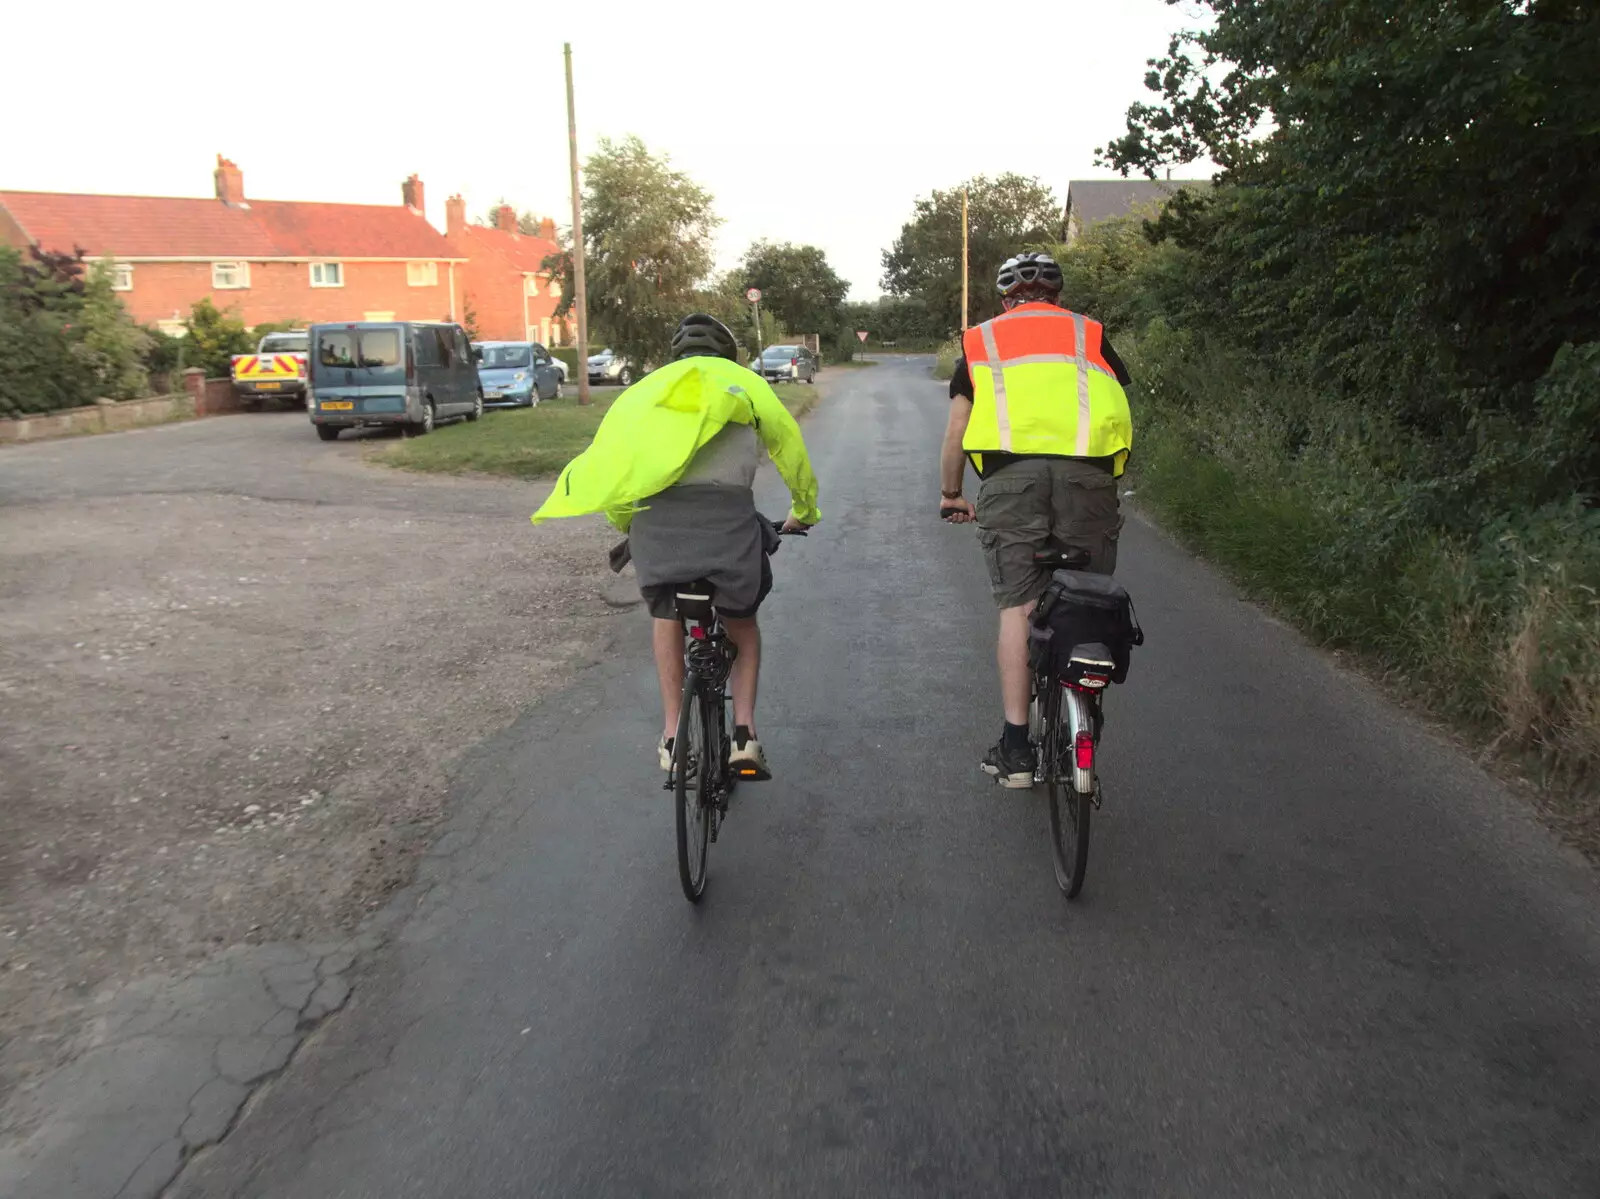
[1080, 608]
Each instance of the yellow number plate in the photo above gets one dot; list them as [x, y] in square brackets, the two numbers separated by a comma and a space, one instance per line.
[268, 386]
[343, 405]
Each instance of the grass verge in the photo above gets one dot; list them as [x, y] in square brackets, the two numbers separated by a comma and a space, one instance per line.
[1493, 622]
[528, 443]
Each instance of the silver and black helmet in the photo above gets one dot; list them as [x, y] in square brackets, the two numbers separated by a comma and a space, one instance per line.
[1034, 272]
[700, 333]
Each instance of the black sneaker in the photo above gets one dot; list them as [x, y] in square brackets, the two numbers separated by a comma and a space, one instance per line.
[1012, 768]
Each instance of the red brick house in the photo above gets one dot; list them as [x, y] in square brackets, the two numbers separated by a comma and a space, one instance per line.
[267, 260]
[508, 287]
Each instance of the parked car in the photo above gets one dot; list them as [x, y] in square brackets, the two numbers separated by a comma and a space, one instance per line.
[607, 367]
[789, 364]
[516, 374]
[406, 373]
[277, 370]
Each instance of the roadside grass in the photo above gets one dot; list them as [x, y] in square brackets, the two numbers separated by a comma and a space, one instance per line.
[945, 365]
[528, 443]
[1495, 628]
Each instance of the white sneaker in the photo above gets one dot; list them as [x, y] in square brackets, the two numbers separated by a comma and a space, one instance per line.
[664, 753]
[746, 759]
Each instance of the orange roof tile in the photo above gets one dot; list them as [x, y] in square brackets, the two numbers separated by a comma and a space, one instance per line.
[170, 227]
[524, 251]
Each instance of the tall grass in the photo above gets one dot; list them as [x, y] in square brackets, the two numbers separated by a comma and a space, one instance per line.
[1485, 608]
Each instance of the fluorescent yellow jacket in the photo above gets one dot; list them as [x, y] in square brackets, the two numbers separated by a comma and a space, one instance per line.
[656, 427]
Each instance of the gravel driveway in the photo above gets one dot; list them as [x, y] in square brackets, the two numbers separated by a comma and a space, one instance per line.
[235, 668]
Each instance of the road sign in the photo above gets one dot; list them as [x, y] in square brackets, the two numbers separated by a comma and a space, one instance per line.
[862, 334]
[753, 295]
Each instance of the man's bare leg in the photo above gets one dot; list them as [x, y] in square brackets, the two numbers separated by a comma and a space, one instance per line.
[667, 637]
[1012, 656]
[746, 634]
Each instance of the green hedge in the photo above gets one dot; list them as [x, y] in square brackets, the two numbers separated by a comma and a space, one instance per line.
[569, 355]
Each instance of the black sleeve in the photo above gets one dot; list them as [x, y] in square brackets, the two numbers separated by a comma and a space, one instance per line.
[1113, 361]
[961, 381]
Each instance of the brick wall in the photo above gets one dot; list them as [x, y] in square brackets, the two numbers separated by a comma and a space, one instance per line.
[282, 291]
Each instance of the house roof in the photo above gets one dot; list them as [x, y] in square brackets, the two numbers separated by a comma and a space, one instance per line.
[1095, 200]
[175, 227]
[523, 251]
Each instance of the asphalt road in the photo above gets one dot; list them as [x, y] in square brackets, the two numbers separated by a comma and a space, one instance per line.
[1318, 953]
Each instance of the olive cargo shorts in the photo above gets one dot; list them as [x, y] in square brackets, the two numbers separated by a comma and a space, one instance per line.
[1039, 503]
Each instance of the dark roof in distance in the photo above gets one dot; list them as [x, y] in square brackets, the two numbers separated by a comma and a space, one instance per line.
[1094, 200]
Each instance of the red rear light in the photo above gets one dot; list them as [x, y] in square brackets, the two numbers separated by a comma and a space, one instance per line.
[697, 632]
[1083, 750]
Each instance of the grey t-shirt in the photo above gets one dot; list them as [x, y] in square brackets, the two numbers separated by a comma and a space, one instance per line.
[729, 459]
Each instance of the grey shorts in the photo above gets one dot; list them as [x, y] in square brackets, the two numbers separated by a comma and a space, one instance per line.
[701, 531]
[1040, 503]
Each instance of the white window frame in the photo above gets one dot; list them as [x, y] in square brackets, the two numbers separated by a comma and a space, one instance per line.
[241, 278]
[321, 268]
[122, 276]
[422, 274]
[532, 284]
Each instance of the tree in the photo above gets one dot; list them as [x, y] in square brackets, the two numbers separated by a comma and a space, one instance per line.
[527, 221]
[797, 284]
[113, 346]
[647, 249]
[212, 337]
[65, 338]
[1421, 215]
[1005, 216]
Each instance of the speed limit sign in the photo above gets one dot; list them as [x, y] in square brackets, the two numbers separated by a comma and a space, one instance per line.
[753, 295]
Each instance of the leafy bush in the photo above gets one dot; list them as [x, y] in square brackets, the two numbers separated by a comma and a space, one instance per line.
[213, 337]
[945, 366]
[65, 339]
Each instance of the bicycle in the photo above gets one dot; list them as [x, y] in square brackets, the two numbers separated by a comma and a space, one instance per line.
[701, 777]
[1066, 713]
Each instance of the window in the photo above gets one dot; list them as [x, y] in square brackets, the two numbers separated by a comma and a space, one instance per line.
[380, 347]
[422, 274]
[506, 357]
[532, 282]
[227, 276]
[554, 289]
[447, 345]
[337, 349]
[121, 276]
[284, 343]
[327, 274]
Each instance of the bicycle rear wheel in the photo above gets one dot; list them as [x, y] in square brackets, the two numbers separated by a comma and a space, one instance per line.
[1070, 808]
[693, 795]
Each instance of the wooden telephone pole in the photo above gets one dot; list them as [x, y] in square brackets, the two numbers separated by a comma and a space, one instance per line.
[963, 260]
[580, 299]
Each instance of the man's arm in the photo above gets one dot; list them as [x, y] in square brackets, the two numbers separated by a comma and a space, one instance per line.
[780, 433]
[1113, 361]
[953, 464]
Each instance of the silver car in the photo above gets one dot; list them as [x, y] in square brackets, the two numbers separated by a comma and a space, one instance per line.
[786, 364]
[608, 367]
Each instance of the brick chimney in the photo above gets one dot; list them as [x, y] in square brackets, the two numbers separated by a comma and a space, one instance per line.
[455, 216]
[230, 183]
[547, 229]
[411, 195]
[505, 219]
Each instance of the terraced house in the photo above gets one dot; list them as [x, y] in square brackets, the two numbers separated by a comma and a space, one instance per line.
[266, 260]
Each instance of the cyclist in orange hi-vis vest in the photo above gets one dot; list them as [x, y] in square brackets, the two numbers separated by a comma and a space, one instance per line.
[1037, 405]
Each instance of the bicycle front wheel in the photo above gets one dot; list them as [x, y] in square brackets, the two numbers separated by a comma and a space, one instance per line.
[1070, 806]
[693, 795]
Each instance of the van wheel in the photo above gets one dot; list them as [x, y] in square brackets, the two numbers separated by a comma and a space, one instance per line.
[477, 407]
[425, 425]
[328, 432]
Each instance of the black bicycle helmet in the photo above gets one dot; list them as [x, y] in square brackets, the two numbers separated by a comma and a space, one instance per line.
[702, 334]
[1031, 272]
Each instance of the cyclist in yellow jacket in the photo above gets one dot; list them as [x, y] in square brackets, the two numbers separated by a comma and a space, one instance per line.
[673, 465]
[1037, 404]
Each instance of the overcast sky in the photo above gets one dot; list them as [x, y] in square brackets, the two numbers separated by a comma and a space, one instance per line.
[818, 122]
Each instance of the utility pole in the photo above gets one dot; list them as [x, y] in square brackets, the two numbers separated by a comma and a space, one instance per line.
[581, 299]
[963, 260]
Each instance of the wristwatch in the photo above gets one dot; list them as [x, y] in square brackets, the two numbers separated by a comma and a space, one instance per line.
[951, 495]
